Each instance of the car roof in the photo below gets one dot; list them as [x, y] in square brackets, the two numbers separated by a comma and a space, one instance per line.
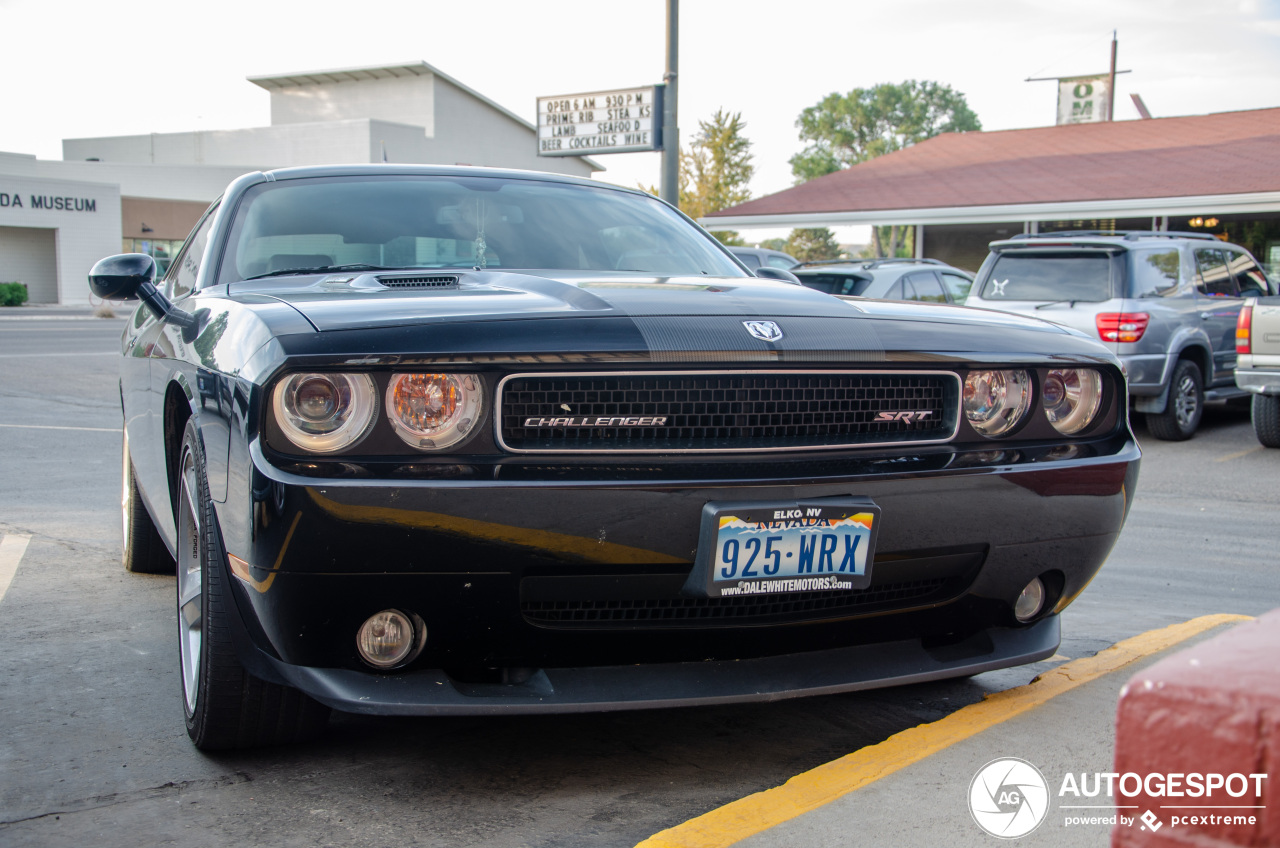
[1123, 239]
[399, 169]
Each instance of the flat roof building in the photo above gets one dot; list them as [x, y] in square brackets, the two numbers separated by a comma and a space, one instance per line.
[144, 193]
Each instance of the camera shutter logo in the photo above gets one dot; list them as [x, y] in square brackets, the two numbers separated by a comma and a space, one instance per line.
[1008, 798]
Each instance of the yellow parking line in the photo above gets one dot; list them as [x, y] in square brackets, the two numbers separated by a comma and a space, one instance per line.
[12, 547]
[812, 789]
[1238, 454]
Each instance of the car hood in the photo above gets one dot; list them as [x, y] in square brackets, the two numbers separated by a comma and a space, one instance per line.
[346, 302]
[667, 316]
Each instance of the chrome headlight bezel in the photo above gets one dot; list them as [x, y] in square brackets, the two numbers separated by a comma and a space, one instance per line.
[415, 401]
[354, 408]
[1071, 398]
[997, 401]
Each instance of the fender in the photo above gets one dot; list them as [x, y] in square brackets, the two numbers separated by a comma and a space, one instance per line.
[1183, 339]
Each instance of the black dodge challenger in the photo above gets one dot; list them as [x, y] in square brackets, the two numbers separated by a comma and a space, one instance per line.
[425, 441]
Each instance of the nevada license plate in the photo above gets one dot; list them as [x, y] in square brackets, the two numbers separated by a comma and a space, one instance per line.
[797, 546]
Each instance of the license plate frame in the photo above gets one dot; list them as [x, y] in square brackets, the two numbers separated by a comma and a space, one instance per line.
[839, 553]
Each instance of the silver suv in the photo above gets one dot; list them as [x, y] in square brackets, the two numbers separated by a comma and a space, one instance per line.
[1166, 303]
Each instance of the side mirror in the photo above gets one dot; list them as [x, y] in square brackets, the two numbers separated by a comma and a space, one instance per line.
[130, 276]
[119, 277]
[778, 274]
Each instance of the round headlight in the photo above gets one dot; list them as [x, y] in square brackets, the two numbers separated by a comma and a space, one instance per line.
[996, 401]
[325, 412]
[1071, 398]
[433, 411]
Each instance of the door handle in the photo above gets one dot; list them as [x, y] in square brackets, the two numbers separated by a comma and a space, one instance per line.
[1206, 315]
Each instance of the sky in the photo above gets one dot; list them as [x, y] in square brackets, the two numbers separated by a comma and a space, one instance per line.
[74, 69]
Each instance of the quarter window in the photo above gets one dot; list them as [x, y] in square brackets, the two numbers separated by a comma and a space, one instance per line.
[1213, 278]
[1153, 272]
[957, 285]
[927, 288]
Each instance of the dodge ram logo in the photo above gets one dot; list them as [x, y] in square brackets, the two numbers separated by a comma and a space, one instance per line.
[765, 331]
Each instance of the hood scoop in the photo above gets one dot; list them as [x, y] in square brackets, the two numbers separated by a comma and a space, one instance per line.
[419, 281]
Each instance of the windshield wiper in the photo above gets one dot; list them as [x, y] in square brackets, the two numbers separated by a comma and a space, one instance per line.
[325, 269]
[1070, 303]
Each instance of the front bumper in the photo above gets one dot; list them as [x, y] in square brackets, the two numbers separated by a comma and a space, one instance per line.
[605, 688]
[572, 588]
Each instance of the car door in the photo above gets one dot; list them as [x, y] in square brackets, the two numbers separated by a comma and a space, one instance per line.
[1219, 302]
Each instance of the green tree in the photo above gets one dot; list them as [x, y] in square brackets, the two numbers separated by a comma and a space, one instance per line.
[845, 129]
[715, 170]
[812, 244]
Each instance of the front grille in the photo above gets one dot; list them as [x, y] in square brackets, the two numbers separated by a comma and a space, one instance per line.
[655, 600]
[749, 411]
[420, 282]
[656, 612]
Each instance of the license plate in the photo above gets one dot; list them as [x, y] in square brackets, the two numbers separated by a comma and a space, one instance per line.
[796, 546]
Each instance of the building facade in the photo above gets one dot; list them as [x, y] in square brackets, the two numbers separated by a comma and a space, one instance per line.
[144, 193]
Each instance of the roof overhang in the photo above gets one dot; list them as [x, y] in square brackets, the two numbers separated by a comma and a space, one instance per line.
[1222, 204]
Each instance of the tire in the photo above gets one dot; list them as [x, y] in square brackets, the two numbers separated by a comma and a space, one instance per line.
[1266, 419]
[1182, 413]
[225, 706]
[143, 550]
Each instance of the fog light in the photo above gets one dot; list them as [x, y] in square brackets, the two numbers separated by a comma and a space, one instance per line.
[386, 639]
[1030, 602]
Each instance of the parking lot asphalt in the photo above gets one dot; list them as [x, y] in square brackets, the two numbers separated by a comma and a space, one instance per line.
[92, 749]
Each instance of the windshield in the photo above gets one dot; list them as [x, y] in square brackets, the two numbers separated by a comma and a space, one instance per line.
[1046, 277]
[376, 222]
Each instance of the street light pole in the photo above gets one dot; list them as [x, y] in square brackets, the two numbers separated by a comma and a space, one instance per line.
[669, 187]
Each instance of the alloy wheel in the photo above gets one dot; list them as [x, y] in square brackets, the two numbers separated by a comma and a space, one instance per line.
[190, 581]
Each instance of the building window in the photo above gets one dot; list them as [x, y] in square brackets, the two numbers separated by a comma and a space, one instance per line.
[162, 250]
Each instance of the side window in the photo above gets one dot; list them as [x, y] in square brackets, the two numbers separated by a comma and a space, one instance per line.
[1154, 272]
[779, 262]
[957, 285]
[1249, 277]
[750, 260]
[1213, 278]
[182, 273]
[927, 288]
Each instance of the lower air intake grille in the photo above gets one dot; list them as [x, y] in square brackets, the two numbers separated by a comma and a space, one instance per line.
[674, 412]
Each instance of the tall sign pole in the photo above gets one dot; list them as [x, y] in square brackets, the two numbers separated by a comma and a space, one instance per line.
[669, 187]
[1111, 81]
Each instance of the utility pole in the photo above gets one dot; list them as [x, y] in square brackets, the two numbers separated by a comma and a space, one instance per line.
[669, 186]
[1111, 85]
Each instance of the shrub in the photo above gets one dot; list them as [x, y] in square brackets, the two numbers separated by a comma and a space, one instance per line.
[12, 294]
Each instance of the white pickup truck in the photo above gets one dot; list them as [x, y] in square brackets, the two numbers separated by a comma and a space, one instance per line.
[1258, 364]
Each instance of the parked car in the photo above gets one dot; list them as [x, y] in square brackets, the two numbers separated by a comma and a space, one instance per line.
[763, 257]
[1258, 364]
[430, 441]
[925, 280]
[1166, 303]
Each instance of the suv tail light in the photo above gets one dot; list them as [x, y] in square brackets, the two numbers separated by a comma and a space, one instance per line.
[1244, 327]
[1122, 326]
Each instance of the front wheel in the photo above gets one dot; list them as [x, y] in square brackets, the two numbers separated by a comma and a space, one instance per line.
[1181, 416]
[1265, 413]
[225, 706]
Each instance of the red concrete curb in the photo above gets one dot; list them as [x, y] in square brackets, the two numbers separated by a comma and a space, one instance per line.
[1210, 710]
